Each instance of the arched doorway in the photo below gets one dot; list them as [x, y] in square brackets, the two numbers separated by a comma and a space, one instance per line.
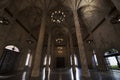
[112, 58]
[8, 59]
[60, 50]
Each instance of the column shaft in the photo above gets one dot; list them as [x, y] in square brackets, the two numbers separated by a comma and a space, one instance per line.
[36, 66]
[85, 72]
[73, 60]
[101, 60]
[48, 50]
[48, 56]
[72, 51]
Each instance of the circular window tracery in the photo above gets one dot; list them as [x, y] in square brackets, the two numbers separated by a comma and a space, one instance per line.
[58, 16]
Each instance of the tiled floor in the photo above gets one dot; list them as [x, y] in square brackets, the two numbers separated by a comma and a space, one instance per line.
[66, 74]
[95, 75]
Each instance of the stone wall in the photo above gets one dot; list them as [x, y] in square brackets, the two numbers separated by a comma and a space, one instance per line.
[14, 34]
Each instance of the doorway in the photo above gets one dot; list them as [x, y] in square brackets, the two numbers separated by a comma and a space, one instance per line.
[8, 59]
[60, 62]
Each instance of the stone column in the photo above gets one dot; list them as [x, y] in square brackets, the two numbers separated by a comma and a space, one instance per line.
[37, 59]
[72, 54]
[67, 59]
[72, 51]
[102, 66]
[117, 58]
[48, 55]
[48, 48]
[90, 56]
[52, 50]
[85, 72]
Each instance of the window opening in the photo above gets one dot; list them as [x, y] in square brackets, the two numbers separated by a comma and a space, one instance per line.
[76, 61]
[8, 59]
[45, 60]
[112, 58]
[12, 48]
[28, 58]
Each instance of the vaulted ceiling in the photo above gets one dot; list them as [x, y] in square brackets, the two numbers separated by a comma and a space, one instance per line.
[29, 12]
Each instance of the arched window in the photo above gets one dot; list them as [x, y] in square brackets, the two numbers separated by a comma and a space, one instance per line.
[112, 58]
[8, 59]
[12, 48]
[75, 60]
[45, 60]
